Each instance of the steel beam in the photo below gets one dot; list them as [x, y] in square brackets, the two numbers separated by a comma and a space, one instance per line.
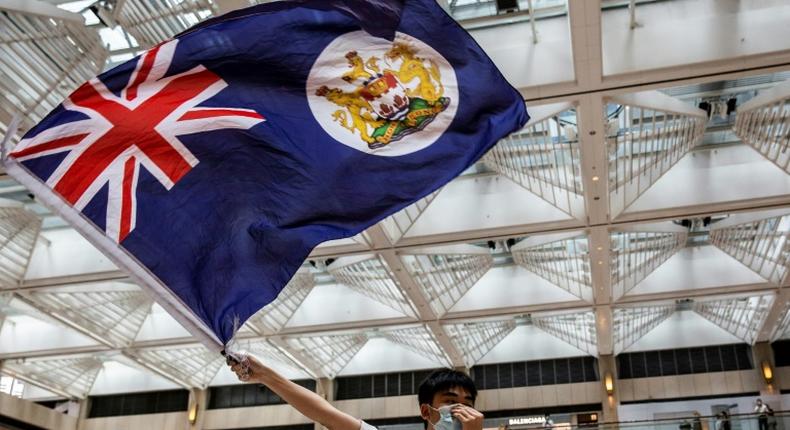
[775, 315]
[40, 8]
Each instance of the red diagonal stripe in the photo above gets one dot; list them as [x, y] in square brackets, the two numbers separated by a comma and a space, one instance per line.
[47, 146]
[211, 113]
[126, 199]
[142, 74]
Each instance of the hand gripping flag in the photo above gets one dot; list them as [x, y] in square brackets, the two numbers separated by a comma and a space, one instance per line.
[211, 165]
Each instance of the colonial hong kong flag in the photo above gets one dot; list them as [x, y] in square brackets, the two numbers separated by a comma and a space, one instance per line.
[211, 165]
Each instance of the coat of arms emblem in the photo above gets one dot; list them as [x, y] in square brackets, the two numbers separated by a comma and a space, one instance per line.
[390, 97]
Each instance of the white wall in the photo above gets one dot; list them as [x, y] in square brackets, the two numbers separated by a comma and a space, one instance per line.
[22, 333]
[683, 329]
[696, 268]
[707, 30]
[525, 63]
[65, 252]
[327, 304]
[508, 286]
[537, 397]
[695, 385]
[170, 421]
[526, 343]
[483, 202]
[34, 393]
[261, 416]
[715, 175]
[31, 413]
[160, 325]
[117, 378]
[381, 355]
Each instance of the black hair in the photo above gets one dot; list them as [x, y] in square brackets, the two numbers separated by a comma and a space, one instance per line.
[441, 380]
[444, 379]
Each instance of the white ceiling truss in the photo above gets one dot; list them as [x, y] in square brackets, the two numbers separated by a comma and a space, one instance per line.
[632, 323]
[419, 340]
[400, 222]
[593, 154]
[476, 339]
[266, 351]
[153, 22]
[69, 376]
[5, 299]
[447, 273]
[646, 136]
[636, 254]
[189, 366]
[764, 123]
[112, 315]
[783, 327]
[42, 60]
[575, 328]
[273, 317]
[562, 259]
[370, 276]
[544, 157]
[19, 230]
[760, 244]
[331, 353]
[743, 317]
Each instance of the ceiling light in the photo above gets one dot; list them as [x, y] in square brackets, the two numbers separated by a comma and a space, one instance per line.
[768, 373]
[595, 178]
[609, 383]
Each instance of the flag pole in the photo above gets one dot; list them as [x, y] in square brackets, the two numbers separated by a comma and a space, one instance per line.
[13, 126]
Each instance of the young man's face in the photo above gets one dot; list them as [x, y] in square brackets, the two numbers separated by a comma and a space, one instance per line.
[452, 396]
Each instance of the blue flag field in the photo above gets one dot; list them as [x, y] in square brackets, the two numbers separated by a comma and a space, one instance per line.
[211, 165]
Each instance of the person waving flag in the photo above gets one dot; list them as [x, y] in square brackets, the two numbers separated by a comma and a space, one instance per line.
[211, 165]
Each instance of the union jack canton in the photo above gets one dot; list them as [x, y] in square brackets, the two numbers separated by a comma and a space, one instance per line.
[141, 127]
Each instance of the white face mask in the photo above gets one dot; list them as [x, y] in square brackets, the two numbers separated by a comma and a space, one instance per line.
[446, 420]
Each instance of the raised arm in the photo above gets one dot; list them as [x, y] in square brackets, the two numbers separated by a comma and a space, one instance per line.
[303, 400]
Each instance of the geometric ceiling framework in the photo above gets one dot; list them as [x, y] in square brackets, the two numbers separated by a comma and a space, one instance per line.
[115, 316]
[19, 230]
[152, 22]
[329, 354]
[562, 259]
[647, 133]
[764, 124]
[575, 328]
[400, 222]
[740, 316]
[783, 327]
[191, 366]
[38, 72]
[447, 273]
[68, 376]
[274, 316]
[633, 323]
[636, 254]
[760, 244]
[370, 276]
[475, 339]
[544, 157]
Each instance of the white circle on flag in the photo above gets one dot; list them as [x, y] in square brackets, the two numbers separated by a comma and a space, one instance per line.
[382, 97]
